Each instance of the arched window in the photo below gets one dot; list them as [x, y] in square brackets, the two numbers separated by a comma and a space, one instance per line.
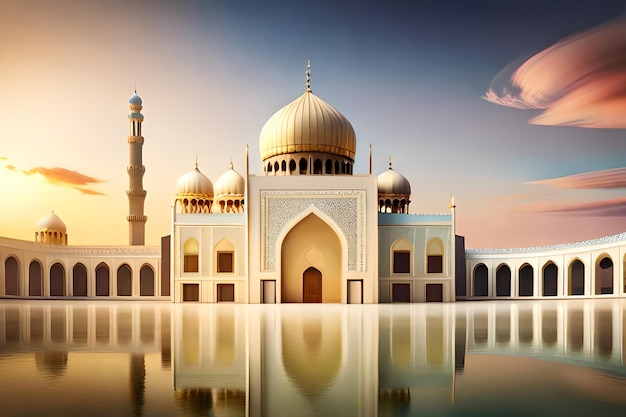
[434, 256]
[124, 281]
[292, 165]
[146, 280]
[481, 280]
[79, 280]
[401, 257]
[35, 279]
[576, 278]
[336, 167]
[57, 280]
[191, 250]
[276, 167]
[269, 167]
[329, 166]
[11, 276]
[550, 273]
[317, 167]
[102, 280]
[503, 281]
[303, 166]
[604, 275]
[283, 166]
[526, 281]
[224, 257]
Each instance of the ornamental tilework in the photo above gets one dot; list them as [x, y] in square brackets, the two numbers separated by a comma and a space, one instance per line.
[345, 207]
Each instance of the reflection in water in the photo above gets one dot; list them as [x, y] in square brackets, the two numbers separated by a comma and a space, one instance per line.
[125, 358]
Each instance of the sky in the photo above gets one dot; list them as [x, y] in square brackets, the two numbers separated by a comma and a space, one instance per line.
[517, 109]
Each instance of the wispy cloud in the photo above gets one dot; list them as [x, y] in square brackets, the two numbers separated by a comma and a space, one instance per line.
[62, 177]
[607, 208]
[579, 81]
[608, 178]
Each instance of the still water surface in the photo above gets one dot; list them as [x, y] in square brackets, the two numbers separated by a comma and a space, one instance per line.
[529, 358]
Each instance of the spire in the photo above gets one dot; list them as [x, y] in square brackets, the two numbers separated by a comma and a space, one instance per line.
[196, 161]
[308, 75]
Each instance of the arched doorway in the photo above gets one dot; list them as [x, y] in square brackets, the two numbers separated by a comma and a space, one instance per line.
[550, 279]
[311, 245]
[503, 281]
[481, 281]
[526, 281]
[102, 280]
[576, 278]
[57, 280]
[79, 280]
[604, 275]
[35, 279]
[11, 276]
[146, 281]
[124, 280]
[312, 286]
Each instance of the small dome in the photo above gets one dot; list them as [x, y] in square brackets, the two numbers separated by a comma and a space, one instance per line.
[230, 183]
[391, 182]
[194, 183]
[135, 100]
[51, 222]
[307, 124]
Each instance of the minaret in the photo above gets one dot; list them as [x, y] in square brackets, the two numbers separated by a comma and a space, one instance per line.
[136, 193]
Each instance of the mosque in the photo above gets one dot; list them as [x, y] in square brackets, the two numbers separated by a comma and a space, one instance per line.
[305, 230]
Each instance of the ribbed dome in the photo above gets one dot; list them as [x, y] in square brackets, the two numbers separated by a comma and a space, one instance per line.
[194, 183]
[135, 99]
[391, 182]
[230, 183]
[51, 222]
[307, 124]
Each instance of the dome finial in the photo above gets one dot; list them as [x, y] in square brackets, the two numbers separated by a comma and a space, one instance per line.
[196, 161]
[308, 75]
[390, 162]
[231, 163]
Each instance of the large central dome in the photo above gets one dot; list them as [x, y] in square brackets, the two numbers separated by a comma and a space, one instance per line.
[310, 127]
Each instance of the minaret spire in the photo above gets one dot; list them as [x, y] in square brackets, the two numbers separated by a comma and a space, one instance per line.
[308, 75]
[136, 193]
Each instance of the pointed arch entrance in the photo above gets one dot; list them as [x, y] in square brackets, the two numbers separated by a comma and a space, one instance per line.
[312, 286]
[311, 263]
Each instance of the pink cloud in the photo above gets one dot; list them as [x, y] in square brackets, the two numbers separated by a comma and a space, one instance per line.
[579, 81]
[606, 208]
[608, 178]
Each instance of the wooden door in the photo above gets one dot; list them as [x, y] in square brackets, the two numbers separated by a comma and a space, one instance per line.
[312, 286]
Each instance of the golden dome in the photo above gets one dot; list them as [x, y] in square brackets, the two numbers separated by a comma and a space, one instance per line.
[194, 183]
[307, 124]
[391, 182]
[231, 183]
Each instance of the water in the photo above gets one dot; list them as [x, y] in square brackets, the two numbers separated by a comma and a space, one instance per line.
[493, 358]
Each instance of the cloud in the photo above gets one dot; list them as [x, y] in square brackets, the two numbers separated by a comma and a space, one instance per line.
[579, 81]
[3, 158]
[608, 178]
[606, 208]
[64, 177]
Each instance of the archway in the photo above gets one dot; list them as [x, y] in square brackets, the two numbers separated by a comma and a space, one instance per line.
[146, 281]
[604, 275]
[311, 245]
[102, 280]
[550, 276]
[124, 280]
[503, 281]
[79, 280]
[481, 281]
[11, 276]
[576, 278]
[526, 281]
[35, 280]
[57, 280]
